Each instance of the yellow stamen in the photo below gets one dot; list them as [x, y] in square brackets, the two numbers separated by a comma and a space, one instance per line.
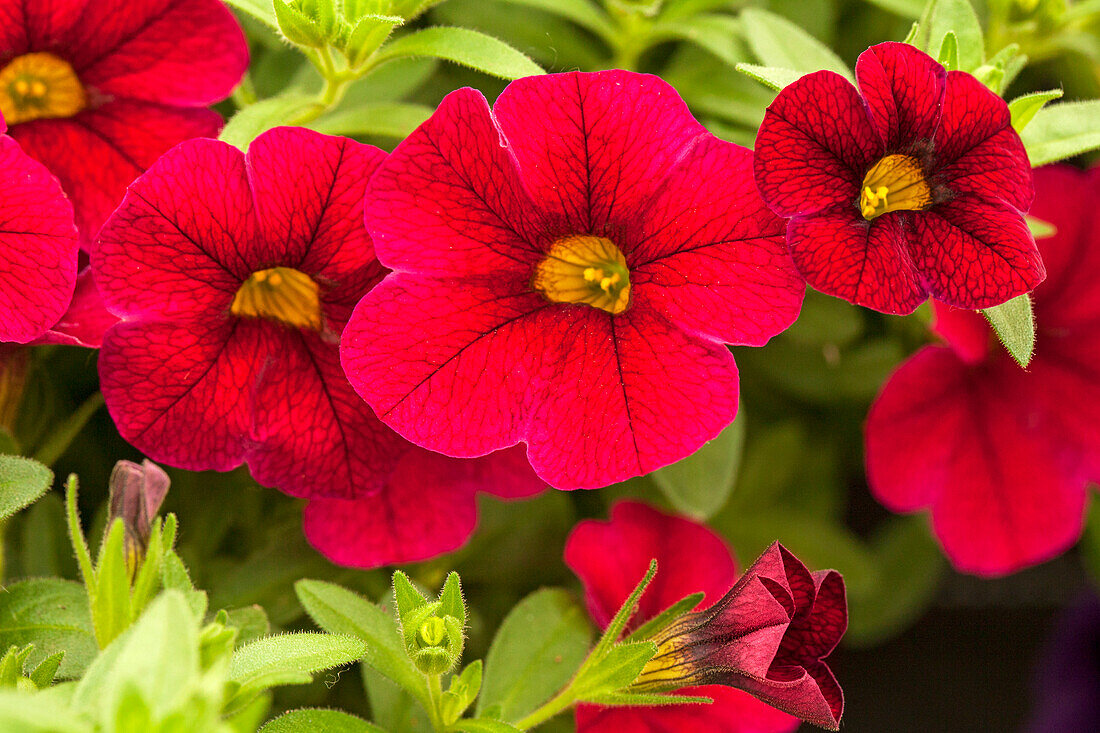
[280, 294]
[37, 86]
[895, 183]
[585, 269]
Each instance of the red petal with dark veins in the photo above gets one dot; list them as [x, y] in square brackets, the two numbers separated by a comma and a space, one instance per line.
[975, 253]
[181, 52]
[711, 255]
[449, 201]
[732, 711]
[866, 263]
[38, 241]
[427, 508]
[602, 147]
[309, 190]
[184, 395]
[1065, 378]
[814, 146]
[86, 319]
[27, 26]
[903, 88]
[312, 436]
[611, 557]
[1069, 199]
[167, 252]
[97, 153]
[976, 145]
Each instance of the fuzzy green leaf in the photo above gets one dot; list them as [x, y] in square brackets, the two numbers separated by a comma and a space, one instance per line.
[582, 12]
[721, 35]
[770, 76]
[291, 658]
[255, 119]
[1062, 131]
[53, 615]
[450, 598]
[111, 606]
[312, 720]
[22, 481]
[616, 670]
[779, 43]
[537, 649]
[43, 675]
[666, 617]
[1025, 107]
[941, 17]
[700, 484]
[261, 10]
[462, 46]
[1014, 323]
[484, 725]
[384, 119]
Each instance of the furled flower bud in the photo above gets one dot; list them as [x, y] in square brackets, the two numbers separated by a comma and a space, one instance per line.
[768, 636]
[136, 493]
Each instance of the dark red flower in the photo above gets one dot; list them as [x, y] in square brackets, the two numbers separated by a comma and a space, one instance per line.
[1001, 455]
[98, 89]
[568, 268]
[767, 635]
[913, 185]
[37, 246]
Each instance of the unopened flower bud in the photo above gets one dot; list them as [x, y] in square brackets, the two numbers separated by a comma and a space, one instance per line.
[136, 493]
[433, 632]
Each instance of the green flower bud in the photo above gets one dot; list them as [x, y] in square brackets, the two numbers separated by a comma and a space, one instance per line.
[433, 660]
[307, 23]
[433, 632]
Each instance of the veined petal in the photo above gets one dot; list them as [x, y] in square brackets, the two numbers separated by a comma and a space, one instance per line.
[904, 89]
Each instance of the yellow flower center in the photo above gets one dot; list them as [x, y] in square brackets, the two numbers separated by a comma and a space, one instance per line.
[39, 85]
[895, 183]
[585, 269]
[280, 294]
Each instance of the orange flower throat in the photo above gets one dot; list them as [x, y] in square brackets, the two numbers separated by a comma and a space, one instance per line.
[38, 86]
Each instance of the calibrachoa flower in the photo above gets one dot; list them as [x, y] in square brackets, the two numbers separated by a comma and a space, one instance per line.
[85, 320]
[97, 90]
[767, 635]
[913, 185]
[428, 507]
[1001, 455]
[37, 246]
[568, 268]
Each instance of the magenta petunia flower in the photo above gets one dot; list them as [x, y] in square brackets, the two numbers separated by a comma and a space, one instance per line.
[85, 320]
[568, 268]
[1001, 455]
[427, 508]
[98, 89]
[234, 275]
[38, 243]
[912, 186]
[767, 635]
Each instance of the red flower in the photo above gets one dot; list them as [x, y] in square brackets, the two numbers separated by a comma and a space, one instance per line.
[767, 635]
[915, 188]
[38, 242]
[86, 319]
[98, 89]
[1002, 455]
[428, 507]
[567, 270]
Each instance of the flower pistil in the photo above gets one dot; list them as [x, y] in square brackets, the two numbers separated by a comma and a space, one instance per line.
[280, 294]
[585, 269]
[895, 183]
[39, 85]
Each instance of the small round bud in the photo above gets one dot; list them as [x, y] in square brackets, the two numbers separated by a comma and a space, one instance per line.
[433, 632]
[433, 660]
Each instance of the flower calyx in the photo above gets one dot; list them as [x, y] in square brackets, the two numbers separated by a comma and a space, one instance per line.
[433, 631]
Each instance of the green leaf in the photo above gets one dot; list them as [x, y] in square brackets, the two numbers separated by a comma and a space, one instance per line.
[385, 119]
[65, 431]
[622, 616]
[22, 481]
[250, 621]
[262, 10]
[406, 596]
[483, 725]
[904, 8]
[111, 607]
[462, 46]
[174, 575]
[393, 707]
[943, 16]
[1040, 229]
[340, 611]
[616, 670]
[535, 652]
[291, 659]
[581, 12]
[949, 52]
[315, 720]
[42, 547]
[700, 484]
[910, 567]
[53, 615]
[666, 617]
[450, 598]
[255, 119]
[1025, 107]
[25, 712]
[1014, 323]
[1062, 131]
[721, 35]
[158, 655]
[43, 675]
[769, 76]
[11, 664]
[777, 42]
[647, 699]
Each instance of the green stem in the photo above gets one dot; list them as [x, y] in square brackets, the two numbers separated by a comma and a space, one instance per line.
[435, 696]
[555, 705]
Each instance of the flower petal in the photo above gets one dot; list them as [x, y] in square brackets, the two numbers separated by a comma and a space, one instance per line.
[309, 192]
[611, 557]
[312, 435]
[868, 264]
[183, 52]
[427, 508]
[38, 243]
[594, 148]
[86, 319]
[167, 251]
[814, 146]
[732, 711]
[183, 395]
[25, 26]
[449, 201]
[711, 255]
[903, 88]
[97, 153]
[974, 253]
